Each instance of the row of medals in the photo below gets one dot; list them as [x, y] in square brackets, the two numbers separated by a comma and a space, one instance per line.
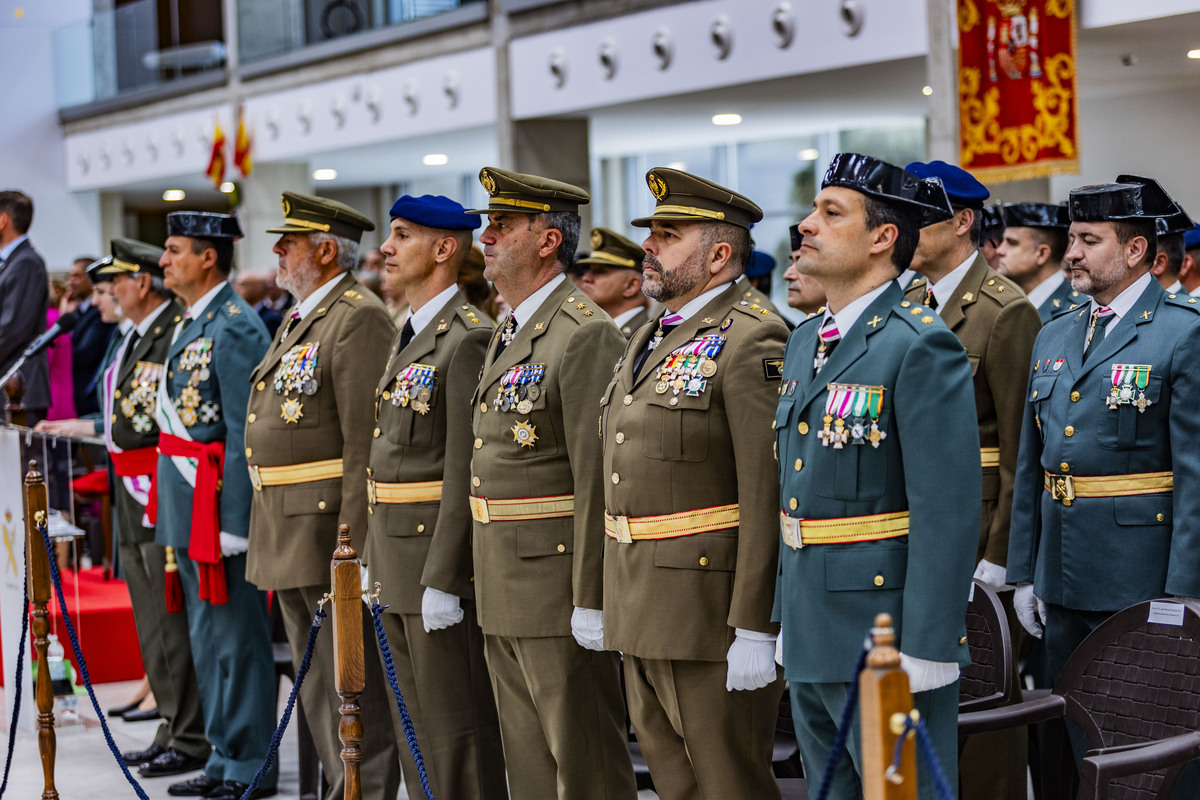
[1124, 378]
[197, 357]
[414, 386]
[143, 393]
[519, 388]
[296, 373]
[688, 367]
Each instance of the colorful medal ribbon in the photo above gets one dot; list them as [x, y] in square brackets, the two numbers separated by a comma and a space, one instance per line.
[415, 385]
[688, 367]
[297, 370]
[1126, 377]
[519, 388]
[852, 415]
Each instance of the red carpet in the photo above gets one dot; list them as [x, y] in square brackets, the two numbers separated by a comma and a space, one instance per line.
[103, 620]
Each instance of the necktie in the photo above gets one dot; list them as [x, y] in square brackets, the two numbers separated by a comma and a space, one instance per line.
[134, 336]
[1101, 317]
[665, 326]
[407, 333]
[830, 336]
[507, 331]
[931, 298]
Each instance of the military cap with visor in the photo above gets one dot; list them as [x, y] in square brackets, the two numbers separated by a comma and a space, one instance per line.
[518, 193]
[899, 188]
[127, 257]
[203, 225]
[304, 213]
[689, 198]
[1036, 215]
[611, 249]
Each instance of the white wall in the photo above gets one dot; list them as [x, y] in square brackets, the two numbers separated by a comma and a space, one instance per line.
[65, 225]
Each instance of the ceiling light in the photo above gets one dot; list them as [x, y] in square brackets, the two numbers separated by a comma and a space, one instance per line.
[174, 195]
[679, 165]
[808, 154]
[324, 174]
[927, 90]
[727, 119]
[227, 187]
[435, 159]
[1193, 53]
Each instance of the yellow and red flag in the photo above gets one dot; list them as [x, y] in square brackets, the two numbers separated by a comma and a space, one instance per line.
[241, 145]
[1018, 106]
[216, 160]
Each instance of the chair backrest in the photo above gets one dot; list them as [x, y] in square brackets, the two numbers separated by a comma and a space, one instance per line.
[987, 681]
[1134, 680]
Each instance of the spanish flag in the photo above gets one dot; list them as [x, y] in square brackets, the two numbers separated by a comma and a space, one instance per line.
[216, 161]
[241, 145]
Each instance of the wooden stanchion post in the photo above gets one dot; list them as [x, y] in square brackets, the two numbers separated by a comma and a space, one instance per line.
[37, 566]
[348, 667]
[885, 703]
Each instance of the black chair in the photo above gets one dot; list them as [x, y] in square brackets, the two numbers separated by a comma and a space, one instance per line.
[1133, 690]
[313, 785]
[987, 682]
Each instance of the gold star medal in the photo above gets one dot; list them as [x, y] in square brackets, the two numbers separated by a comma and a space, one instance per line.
[187, 415]
[524, 434]
[128, 407]
[190, 397]
[291, 410]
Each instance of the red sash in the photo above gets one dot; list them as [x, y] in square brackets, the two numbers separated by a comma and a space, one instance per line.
[204, 546]
[131, 464]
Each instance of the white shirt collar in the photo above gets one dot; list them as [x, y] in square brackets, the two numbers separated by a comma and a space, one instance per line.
[1175, 288]
[524, 312]
[693, 306]
[125, 325]
[425, 314]
[1041, 293]
[944, 289]
[620, 319]
[5, 252]
[145, 324]
[308, 304]
[1124, 301]
[845, 319]
[906, 279]
[197, 308]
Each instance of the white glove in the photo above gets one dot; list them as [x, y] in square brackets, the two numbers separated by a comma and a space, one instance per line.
[993, 575]
[779, 648]
[587, 626]
[440, 610]
[751, 660]
[1031, 611]
[232, 545]
[924, 676]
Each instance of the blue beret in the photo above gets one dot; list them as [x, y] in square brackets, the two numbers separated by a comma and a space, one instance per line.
[1191, 239]
[760, 264]
[960, 185]
[435, 211]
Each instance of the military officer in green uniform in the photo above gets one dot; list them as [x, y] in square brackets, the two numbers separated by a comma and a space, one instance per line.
[613, 280]
[308, 434]
[880, 478]
[1106, 477]
[1031, 256]
[1168, 261]
[691, 518]
[204, 501]
[996, 324]
[419, 520]
[538, 502]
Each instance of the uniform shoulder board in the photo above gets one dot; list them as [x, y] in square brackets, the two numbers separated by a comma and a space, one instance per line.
[1001, 289]
[751, 307]
[353, 294]
[471, 316]
[232, 308]
[581, 307]
[1184, 300]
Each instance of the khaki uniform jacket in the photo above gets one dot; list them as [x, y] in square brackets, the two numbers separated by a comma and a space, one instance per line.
[667, 452]
[635, 322]
[294, 527]
[529, 573]
[414, 545]
[997, 325]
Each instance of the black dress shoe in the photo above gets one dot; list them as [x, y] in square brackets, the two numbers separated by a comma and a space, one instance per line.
[121, 711]
[135, 757]
[233, 790]
[171, 762]
[198, 786]
[140, 716]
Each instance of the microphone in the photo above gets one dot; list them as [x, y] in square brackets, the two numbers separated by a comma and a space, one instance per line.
[62, 325]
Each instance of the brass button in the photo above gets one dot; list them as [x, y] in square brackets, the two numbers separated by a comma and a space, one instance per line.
[370, 510]
[792, 504]
[475, 481]
[1064, 468]
[803, 428]
[376, 433]
[879, 580]
[620, 437]
[1035, 394]
[251, 418]
[1069, 430]
[249, 452]
[799, 464]
[386, 394]
[562, 548]
[704, 561]
[962, 640]
[1075, 397]
[627, 399]
[616, 478]
[260, 386]
[321, 504]
[483, 408]
[570, 299]
[117, 393]
[774, 424]
[674, 401]
[420, 527]
[1160, 517]
[478, 443]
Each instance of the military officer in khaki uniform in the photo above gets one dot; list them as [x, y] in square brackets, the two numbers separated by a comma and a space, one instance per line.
[996, 325]
[613, 280]
[419, 520]
[308, 434]
[692, 503]
[538, 502]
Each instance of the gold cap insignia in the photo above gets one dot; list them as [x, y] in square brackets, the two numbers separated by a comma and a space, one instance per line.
[597, 239]
[658, 186]
[489, 184]
[287, 207]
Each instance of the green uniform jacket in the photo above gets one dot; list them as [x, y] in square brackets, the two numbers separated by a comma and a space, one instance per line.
[414, 545]
[666, 452]
[294, 528]
[996, 324]
[1062, 299]
[928, 464]
[529, 574]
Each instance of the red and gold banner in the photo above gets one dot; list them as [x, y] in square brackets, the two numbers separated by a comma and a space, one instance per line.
[1018, 115]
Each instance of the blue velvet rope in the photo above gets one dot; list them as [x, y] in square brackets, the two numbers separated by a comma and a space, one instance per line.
[277, 737]
[83, 670]
[390, 666]
[843, 731]
[16, 712]
[928, 754]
